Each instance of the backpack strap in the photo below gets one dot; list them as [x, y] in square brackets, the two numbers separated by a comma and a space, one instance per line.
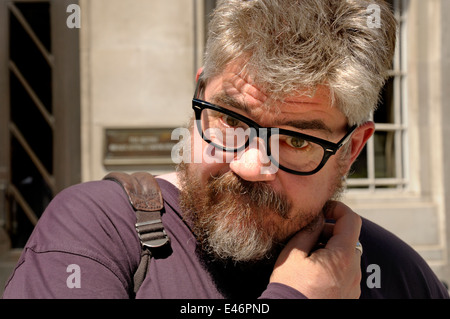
[146, 199]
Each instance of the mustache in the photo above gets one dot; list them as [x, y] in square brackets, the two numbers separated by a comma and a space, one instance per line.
[259, 195]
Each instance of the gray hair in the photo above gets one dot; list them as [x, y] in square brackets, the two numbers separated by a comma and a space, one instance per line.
[289, 45]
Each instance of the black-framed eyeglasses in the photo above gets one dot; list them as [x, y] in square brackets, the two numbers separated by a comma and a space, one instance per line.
[291, 151]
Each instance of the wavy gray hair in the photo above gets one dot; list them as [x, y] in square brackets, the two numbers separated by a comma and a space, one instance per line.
[299, 44]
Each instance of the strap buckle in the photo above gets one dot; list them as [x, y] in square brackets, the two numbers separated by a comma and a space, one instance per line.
[151, 229]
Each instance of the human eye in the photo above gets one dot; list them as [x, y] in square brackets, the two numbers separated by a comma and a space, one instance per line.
[231, 121]
[297, 143]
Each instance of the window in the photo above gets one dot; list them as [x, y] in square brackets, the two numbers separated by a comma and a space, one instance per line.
[382, 164]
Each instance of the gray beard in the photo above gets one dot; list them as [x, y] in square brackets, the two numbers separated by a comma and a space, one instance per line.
[242, 221]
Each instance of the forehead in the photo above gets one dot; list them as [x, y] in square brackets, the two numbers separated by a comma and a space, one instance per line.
[235, 89]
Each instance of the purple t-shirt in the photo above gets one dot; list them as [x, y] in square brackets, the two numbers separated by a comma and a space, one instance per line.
[85, 246]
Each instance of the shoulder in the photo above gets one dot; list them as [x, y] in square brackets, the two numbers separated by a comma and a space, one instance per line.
[90, 226]
[393, 269]
[93, 220]
[99, 207]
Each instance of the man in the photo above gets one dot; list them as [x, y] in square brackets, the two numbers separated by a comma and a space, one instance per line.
[282, 110]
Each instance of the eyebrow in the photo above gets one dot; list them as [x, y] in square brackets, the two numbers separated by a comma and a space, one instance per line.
[316, 125]
[223, 98]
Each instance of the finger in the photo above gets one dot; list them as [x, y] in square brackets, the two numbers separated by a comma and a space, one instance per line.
[304, 241]
[327, 233]
[346, 228]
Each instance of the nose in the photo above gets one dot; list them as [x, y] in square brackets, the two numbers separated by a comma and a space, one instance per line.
[253, 164]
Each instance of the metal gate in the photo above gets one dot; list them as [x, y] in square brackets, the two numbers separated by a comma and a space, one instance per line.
[31, 124]
[35, 113]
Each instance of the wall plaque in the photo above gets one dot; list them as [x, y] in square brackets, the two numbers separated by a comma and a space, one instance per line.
[138, 146]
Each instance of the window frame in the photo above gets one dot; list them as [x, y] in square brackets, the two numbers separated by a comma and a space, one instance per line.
[401, 179]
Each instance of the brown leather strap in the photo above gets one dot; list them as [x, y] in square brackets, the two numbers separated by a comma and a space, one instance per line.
[142, 189]
[145, 196]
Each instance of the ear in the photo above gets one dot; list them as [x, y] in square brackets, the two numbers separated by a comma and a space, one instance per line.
[359, 139]
[199, 72]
